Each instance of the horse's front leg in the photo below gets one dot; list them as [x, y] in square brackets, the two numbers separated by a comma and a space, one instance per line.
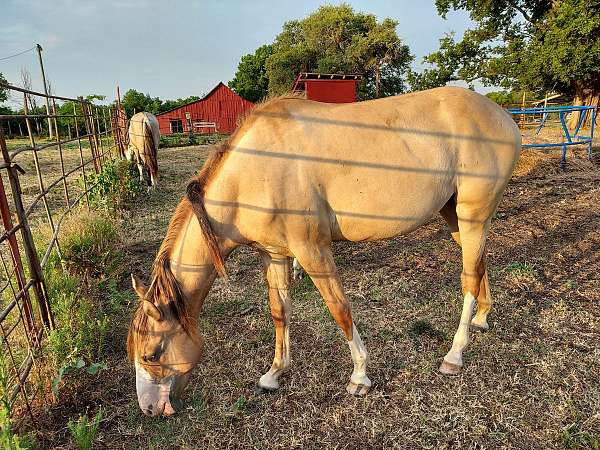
[278, 278]
[319, 265]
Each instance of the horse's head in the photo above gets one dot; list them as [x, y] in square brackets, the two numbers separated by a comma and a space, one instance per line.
[163, 343]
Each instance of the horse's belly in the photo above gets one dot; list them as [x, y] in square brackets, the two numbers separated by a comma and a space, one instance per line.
[375, 225]
[381, 209]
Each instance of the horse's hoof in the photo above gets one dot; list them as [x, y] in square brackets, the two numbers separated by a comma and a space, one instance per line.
[449, 369]
[479, 326]
[261, 390]
[358, 390]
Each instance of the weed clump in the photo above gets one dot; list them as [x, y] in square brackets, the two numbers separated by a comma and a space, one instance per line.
[9, 440]
[82, 287]
[90, 245]
[84, 431]
[117, 185]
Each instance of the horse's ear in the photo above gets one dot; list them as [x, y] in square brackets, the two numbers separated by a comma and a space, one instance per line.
[151, 310]
[138, 286]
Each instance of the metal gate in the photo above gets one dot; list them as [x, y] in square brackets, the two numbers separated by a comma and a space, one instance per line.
[25, 310]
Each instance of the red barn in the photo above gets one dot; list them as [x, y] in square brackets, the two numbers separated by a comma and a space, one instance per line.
[328, 87]
[217, 111]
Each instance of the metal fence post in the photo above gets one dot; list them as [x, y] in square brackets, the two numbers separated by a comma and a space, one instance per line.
[36, 162]
[32, 258]
[85, 185]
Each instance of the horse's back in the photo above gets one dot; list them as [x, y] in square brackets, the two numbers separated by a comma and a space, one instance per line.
[372, 169]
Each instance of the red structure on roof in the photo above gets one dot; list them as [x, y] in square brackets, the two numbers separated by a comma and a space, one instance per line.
[217, 111]
[328, 87]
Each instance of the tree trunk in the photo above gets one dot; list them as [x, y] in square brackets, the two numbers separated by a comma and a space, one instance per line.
[588, 96]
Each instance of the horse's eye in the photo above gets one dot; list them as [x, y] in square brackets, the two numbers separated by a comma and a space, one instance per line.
[152, 357]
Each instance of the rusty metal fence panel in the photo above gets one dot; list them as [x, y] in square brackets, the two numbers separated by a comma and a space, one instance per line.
[40, 185]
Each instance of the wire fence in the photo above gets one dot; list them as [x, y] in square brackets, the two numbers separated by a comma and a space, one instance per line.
[42, 181]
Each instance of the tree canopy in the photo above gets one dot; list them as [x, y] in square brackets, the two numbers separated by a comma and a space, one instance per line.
[536, 45]
[136, 101]
[251, 81]
[3, 92]
[333, 39]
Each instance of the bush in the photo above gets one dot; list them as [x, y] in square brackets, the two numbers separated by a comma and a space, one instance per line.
[117, 185]
[83, 292]
[89, 243]
[81, 326]
[183, 139]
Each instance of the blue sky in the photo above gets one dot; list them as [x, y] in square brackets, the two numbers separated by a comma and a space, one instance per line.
[172, 48]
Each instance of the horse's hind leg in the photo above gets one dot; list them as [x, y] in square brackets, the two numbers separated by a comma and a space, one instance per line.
[473, 224]
[278, 278]
[154, 180]
[484, 299]
[141, 171]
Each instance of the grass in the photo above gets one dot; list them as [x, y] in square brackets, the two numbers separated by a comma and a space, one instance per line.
[574, 438]
[183, 139]
[84, 430]
[529, 382]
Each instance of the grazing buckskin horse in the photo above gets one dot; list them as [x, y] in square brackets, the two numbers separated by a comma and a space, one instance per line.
[144, 137]
[295, 177]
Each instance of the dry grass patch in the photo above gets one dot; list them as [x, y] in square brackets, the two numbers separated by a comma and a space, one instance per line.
[530, 382]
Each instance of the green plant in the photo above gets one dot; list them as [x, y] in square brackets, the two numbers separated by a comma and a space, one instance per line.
[115, 186]
[8, 439]
[73, 365]
[90, 245]
[83, 294]
[575, 438]
[84, 431]
[81, 328]
[183, 139]
[518, 269]
[239, 406]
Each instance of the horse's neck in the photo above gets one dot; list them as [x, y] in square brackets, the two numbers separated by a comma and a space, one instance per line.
[191, 264]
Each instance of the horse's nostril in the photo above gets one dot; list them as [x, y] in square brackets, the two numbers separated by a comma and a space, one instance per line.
[148, 410]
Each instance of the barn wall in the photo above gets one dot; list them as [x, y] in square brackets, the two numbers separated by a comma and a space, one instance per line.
[331, 91]
[221, 105]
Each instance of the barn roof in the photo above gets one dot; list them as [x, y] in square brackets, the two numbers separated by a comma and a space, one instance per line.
[200, 99]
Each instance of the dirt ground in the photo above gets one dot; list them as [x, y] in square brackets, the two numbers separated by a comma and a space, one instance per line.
[531, 382]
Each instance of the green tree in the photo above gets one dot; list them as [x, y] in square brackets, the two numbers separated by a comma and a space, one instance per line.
[503, 98]
[251, 81]
[336, 39]
[167, 105]
[3, 92]
[534, 45]
[66, 124]
[136, 101]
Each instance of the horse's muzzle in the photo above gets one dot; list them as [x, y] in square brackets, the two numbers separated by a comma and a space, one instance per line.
[158, 398]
